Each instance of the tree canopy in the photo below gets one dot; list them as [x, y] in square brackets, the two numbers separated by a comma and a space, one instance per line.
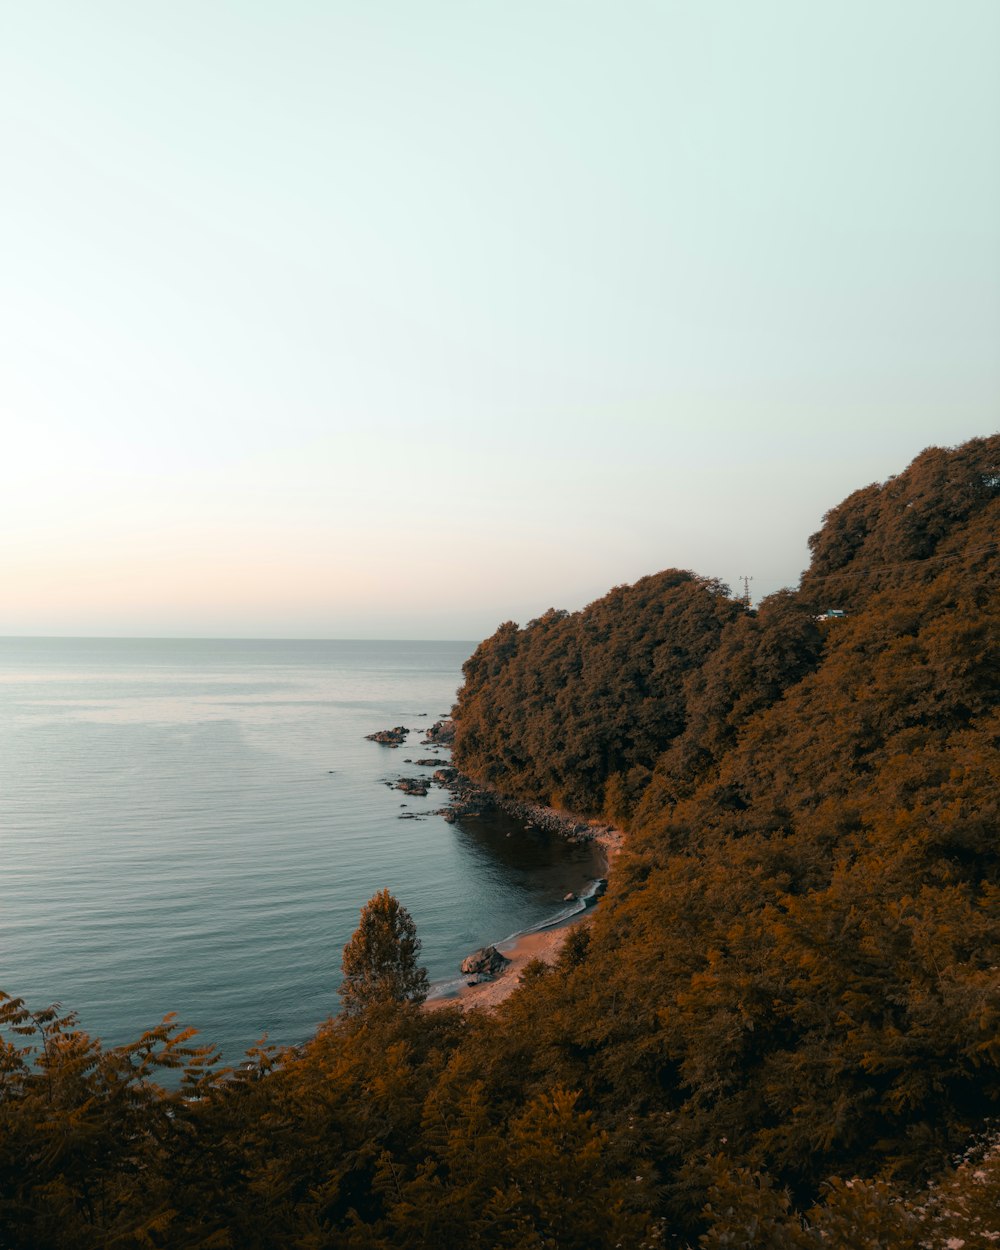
[380, 961]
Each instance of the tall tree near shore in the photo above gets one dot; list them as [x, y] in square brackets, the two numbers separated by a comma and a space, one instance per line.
[380, 961]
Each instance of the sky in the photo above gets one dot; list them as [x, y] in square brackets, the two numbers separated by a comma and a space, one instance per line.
[398, 320]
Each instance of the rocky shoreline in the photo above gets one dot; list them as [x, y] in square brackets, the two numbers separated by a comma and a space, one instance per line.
[492, 974]
[470, 798]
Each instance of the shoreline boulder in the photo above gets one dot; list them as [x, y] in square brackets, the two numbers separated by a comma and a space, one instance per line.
[485, 962]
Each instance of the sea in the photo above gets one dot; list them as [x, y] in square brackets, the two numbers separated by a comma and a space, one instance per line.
[193, 826]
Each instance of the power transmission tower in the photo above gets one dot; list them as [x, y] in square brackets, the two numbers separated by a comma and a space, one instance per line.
[746, 591]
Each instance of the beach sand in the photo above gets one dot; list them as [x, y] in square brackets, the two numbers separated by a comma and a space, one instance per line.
[544, 945]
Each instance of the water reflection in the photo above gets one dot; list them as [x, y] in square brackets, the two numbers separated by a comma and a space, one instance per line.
[533, 862]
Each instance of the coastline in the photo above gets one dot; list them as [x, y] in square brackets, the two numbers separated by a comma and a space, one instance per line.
[541, 944]
[468, 797]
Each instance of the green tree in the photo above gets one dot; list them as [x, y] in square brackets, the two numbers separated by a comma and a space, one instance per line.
[380, 961]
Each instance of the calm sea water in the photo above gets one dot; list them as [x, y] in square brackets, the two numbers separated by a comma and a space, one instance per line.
[193, 826]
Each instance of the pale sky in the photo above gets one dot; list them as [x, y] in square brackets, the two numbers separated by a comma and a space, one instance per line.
[401, 319]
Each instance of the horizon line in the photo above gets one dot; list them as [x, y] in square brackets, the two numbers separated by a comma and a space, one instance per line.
[205, 638]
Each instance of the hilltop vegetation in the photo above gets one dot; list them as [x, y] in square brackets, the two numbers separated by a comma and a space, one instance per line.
[578, 710]
[793, 977]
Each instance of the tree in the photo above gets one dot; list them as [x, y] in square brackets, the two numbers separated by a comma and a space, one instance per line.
[380, 960]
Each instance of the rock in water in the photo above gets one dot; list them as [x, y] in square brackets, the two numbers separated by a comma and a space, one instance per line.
[389, 737]
[412, 785]
[440, 734]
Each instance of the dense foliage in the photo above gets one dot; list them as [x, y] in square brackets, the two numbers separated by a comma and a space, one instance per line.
[574, 709]
[380, 961]
[782, 1027]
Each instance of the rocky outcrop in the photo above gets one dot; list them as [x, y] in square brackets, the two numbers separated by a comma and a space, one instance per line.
[484, 963]
[412, 785]
[440, 734]
[468, 798]
[389, 737]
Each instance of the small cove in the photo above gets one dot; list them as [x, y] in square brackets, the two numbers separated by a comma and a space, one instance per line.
[193, 826]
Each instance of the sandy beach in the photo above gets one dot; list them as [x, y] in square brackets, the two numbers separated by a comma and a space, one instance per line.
[544, 945]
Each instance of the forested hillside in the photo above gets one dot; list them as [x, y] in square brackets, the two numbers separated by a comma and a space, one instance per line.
[781, 1028]
[578, 710]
